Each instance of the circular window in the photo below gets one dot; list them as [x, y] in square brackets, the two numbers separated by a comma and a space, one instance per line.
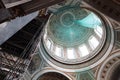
[74, 35]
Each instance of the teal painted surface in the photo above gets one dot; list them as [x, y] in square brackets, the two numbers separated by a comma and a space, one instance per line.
[72, 26]
[91, 21]
[85, 75]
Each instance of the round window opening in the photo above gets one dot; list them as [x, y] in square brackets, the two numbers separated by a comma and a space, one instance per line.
[74, 35]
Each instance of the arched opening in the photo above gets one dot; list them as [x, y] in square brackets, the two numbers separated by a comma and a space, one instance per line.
[52, 76]
[116, 73]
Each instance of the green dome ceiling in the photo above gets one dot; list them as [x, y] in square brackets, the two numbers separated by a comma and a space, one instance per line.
[72, 26]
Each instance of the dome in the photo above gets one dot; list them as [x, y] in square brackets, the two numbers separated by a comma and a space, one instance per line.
[74, 35]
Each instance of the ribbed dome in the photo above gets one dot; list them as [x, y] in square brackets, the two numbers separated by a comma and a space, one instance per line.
[74, 34]
[72, 27]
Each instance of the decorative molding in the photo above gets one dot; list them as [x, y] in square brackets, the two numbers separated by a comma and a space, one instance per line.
[106, 68]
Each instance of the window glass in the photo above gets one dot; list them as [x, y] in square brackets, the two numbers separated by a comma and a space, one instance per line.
[93, 42]
[83, 51]
[70, 53]
[58, 51]
[99, 31]
[48, 43]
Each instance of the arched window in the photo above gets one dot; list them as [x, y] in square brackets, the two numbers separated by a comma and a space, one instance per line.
[93, 42]
[71, 54]
[58, 51]
[99, 31]
[83, 51]
[48, 43]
